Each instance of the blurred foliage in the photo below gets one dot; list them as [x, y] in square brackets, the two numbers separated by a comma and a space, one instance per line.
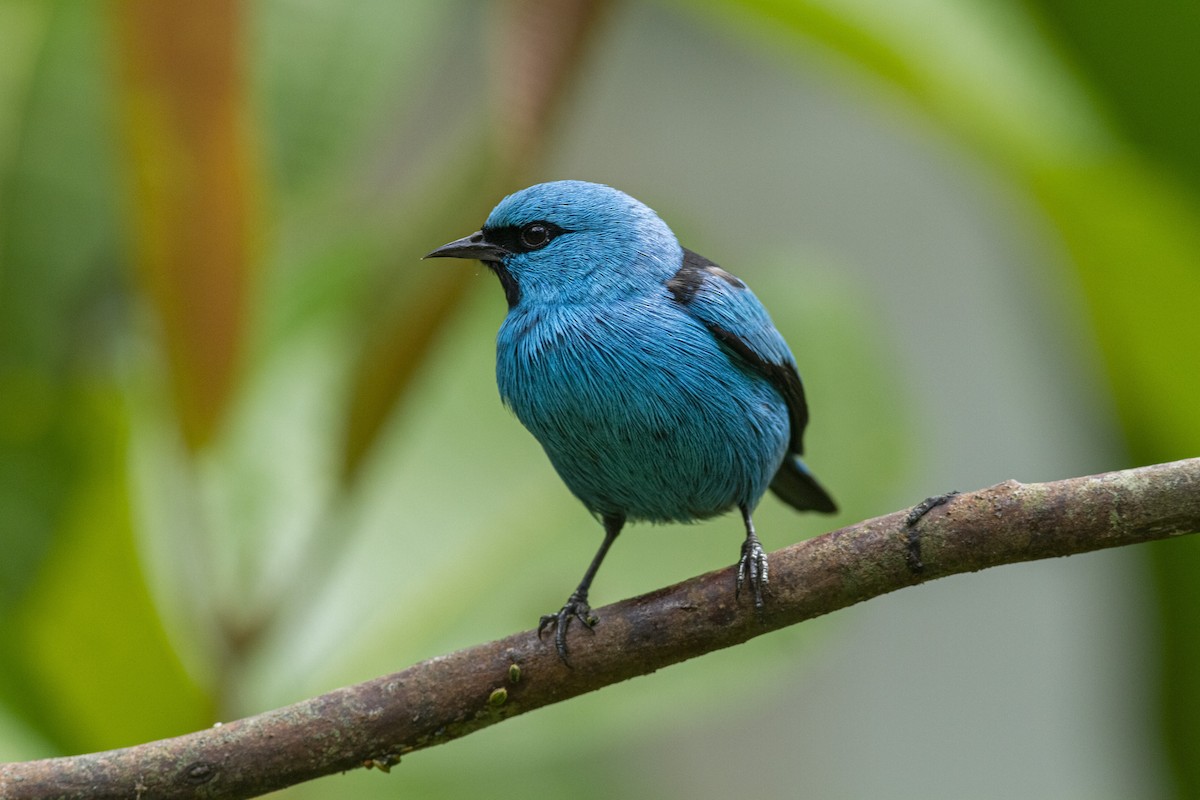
[238, 417]
[1144, 64]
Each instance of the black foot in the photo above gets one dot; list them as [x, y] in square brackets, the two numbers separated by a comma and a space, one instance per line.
[913, 556]
[576, 607]
[752, 566]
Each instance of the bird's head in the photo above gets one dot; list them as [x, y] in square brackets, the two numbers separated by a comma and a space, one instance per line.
[571, 242]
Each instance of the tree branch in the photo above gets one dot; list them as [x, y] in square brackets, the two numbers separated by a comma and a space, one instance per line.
[377, 722]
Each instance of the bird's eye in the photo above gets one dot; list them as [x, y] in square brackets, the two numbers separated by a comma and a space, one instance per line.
[535, 235]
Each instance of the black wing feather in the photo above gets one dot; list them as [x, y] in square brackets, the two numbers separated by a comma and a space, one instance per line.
[793, 482]
[784, 377]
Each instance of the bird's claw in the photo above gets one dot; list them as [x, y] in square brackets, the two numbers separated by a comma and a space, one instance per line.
[752, 566]
[576, 607]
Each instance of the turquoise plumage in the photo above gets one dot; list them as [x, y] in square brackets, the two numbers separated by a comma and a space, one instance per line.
[654, 380]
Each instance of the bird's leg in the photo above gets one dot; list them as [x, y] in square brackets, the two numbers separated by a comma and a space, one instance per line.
[577, 604]
[753, 563]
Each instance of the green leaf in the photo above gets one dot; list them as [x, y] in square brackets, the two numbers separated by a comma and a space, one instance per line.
[90, 644]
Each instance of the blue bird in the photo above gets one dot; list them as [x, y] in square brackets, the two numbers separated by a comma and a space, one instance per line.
[654, 379]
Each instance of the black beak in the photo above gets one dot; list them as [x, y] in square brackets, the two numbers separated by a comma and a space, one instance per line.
[473, 246]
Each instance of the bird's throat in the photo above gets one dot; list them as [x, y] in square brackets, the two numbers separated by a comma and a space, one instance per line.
[512, 291]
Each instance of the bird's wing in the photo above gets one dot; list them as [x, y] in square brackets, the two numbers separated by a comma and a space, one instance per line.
[738, 321]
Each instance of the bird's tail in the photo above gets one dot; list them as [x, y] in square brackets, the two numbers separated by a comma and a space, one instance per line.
[797, 487]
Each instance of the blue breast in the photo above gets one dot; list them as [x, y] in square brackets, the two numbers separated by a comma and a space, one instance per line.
[639, 409]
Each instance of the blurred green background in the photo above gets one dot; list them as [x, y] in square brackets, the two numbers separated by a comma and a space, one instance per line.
[251, 447]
